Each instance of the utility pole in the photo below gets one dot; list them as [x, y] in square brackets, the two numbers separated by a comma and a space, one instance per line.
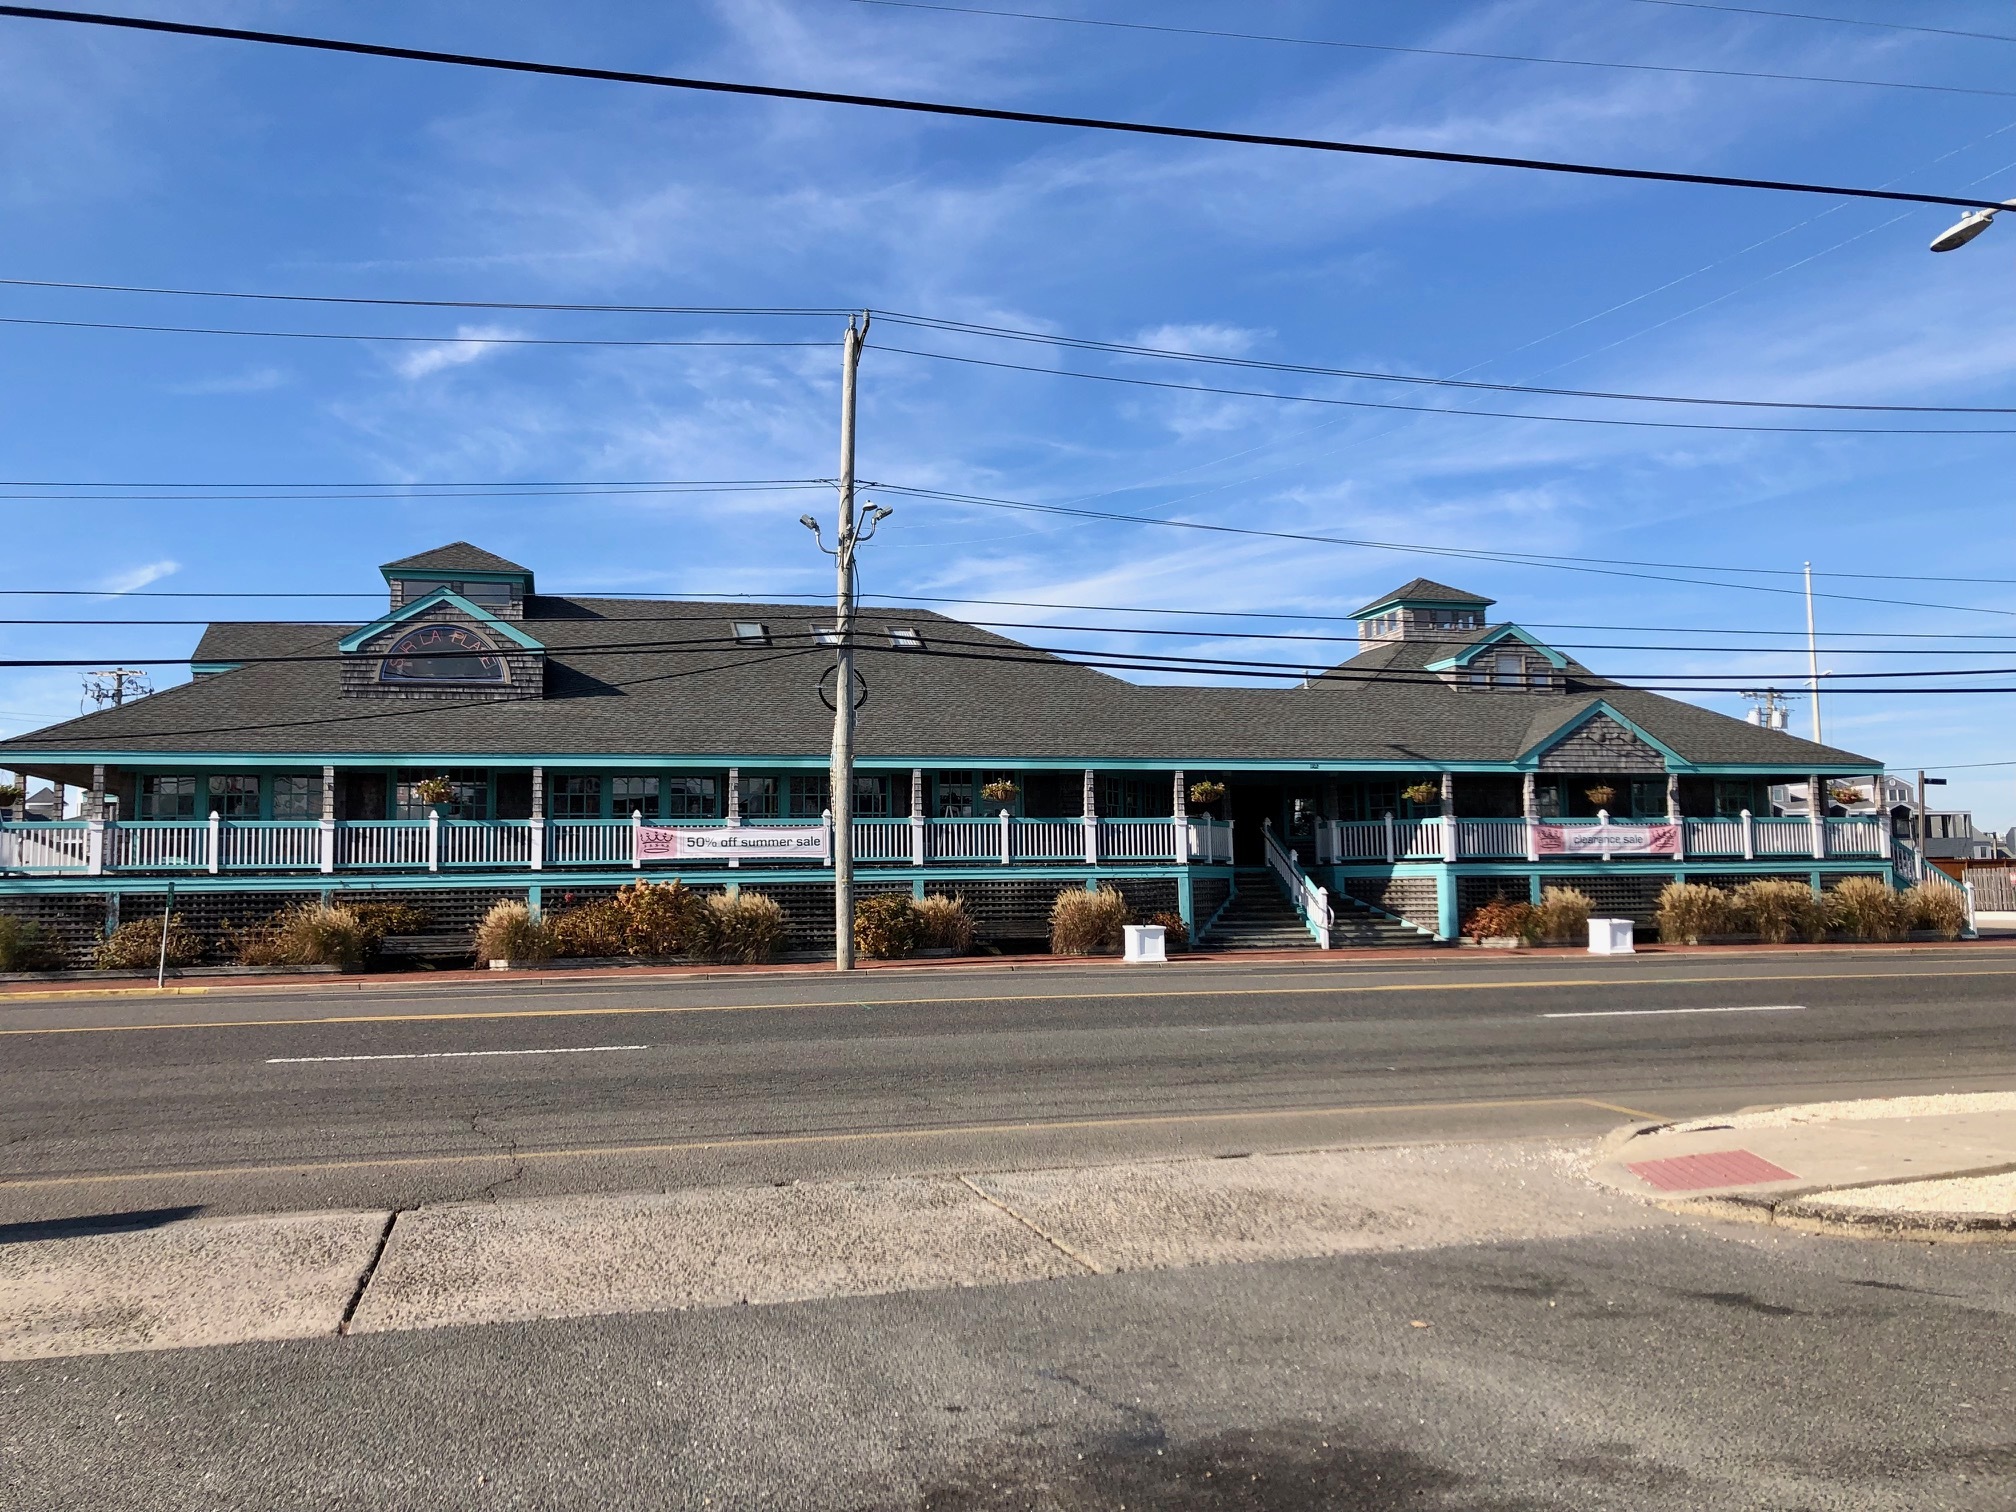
[1812, 657]
[110, 685]
[840, 782]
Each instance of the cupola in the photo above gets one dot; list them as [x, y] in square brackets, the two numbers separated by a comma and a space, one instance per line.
[1420, 610]
[482, 577]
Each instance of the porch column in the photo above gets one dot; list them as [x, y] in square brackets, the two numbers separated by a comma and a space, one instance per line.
[94, 812]
[917, 820]
[734, 808]
[538, 818]
[1181, 824]
[1529, 805]
[1816, 814]
[1448, 817]
[1674, 817]
[94, 808]
[1091, 812]
[328, 824]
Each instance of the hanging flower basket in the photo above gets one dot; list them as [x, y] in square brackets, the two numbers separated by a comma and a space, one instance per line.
[1204, 794]
[1002, 791]
[1843, 795]
[434, 791]
[1422, 792]
[11, 793]
[1602, 795]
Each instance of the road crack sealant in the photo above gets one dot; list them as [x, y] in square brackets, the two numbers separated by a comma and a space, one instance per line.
[370, 1270]
[1069, 1252]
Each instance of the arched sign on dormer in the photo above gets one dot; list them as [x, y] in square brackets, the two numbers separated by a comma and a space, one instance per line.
[440, 652]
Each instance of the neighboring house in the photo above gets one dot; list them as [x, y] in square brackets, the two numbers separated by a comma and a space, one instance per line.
[1880, 794]
[1950, 835]
[584, 742]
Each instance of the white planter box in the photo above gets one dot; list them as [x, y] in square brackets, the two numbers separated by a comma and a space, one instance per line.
[1145, 943]
[1612, 937]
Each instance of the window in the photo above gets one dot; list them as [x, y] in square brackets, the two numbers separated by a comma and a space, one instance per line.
[168, 798]
[235, 797]
[1508, 669]
[1454, 619]
[470, 795]
[872, 797]
[489, 595]
[419, 588]
[442, 652]
[1136, 797]
[826, 635]
[905, 638]
[751, 633]
[955, 795]
[806, 794]
[638, 795]
[1648, 798]
[297, 797]
[577, 797]
[759, 797]
[692, 798]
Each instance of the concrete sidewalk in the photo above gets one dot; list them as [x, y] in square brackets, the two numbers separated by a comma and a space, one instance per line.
[1938, 1165]
[173, 1281]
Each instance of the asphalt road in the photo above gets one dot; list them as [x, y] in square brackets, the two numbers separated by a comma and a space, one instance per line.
[1682, 1369]
[392, 1096]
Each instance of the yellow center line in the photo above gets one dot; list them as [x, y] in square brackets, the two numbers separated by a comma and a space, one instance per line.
[768, 1141]
[1027, 997]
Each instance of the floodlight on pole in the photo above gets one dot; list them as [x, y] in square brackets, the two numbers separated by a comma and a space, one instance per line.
[1965, 229]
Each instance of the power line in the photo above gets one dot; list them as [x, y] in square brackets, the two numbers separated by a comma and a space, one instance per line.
[462, 339]
[1751, 10]
[970, 112]
[1431, 52]
[587, 492]
[428, 304]
[1127, 349]
[1432, 409]
[1515, 559]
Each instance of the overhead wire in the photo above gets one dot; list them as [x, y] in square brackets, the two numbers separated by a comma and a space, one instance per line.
[953, 110]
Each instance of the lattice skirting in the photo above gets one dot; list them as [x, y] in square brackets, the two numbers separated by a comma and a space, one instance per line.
[1412, 898]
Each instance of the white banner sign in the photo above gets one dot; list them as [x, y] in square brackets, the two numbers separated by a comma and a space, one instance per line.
[1606, 839]
[662, 842]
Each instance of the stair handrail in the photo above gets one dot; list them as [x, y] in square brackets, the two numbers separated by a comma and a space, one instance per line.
[1311, 901]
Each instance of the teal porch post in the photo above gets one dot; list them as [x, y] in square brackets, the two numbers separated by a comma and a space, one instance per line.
[1184, 905]
[1446, 922]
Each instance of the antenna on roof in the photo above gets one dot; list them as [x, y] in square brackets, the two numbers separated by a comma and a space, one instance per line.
[114, 685]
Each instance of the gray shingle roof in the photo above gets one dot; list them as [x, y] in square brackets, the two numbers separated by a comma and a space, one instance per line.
[456, 556]
[629, 677]
[1426, 590]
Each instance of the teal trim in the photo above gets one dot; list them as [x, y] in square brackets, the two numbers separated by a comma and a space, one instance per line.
[1401, 601]
[1184, 905]
[1498, 637]
[405, 612]
[1529, 759]
[464, 574]
[211, 669]
[1447, 924]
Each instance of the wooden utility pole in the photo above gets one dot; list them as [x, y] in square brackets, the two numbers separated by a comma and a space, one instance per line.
[840, 782]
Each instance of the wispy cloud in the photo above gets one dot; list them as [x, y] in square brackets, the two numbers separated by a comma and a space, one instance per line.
[136, 578]
[472, 344]
[257, 380]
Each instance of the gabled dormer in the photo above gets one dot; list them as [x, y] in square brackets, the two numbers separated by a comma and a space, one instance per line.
[442, 645]
[1508, 660]
[1420, 610]
[480, 576]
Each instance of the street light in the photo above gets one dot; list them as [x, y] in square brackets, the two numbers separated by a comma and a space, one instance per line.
[1965, 229]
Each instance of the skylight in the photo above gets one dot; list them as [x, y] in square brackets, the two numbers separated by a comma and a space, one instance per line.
[751, 633]
[905, 638]
[826, 635]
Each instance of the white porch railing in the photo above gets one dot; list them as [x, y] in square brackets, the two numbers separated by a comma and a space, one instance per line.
[368, 844]
[1211, 841]
[62, 845]
[1311, 902]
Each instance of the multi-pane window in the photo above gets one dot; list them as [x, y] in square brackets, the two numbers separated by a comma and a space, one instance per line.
[1508, 669]
[168, 798]
[489, 595]
[760, 797]
[1648, 798]
[469, 790]
[297, 797]
[633, 795]
[955, 795]
[692, 798]
[575, 796]
[234, 797]
[1135, 797]
[807, 794]
[873, 797]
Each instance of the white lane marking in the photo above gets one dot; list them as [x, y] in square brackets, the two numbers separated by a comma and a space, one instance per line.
[303, 1060]
[1646, 1012]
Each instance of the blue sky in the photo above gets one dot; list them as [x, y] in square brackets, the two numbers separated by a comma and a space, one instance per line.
[161, 161]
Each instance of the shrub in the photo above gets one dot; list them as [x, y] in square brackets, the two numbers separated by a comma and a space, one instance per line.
[1088, 923]
[593, 929]
[1691, 911]
[510, 932]
[1868, 909]
[28, 946]
[1563, 917]
[136, 945]
[658, 918]
[1943, 909]
[743, 929]
[308, 934]
[1503, 918]
[1781, 910]
[886, 927]
[1175, 933]
[944, 924]
[378, 920]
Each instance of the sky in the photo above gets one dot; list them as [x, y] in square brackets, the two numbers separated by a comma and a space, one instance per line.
[199, 164]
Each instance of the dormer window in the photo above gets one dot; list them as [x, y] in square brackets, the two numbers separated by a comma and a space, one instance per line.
[751, 633]
[441, 652]
[905, 638]
[1508, 669]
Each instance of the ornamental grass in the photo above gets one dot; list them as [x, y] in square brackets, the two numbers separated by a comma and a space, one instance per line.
[26, 945]
[308, 934]
[886, 926]
[1781, 910]
[1563, 915]
[1943, 910]
[591, 930]
[658, 918]
[1086, 923]
[512, 932]
[740, 929]
[1689, 912]
[944, 924]
[1869, 909]
[136, 945]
